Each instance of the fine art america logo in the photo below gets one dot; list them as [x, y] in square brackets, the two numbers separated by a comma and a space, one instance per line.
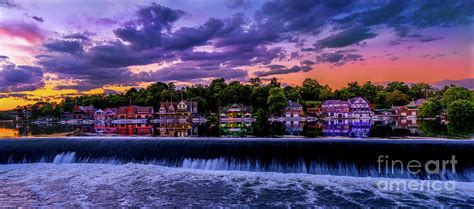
[392, 167]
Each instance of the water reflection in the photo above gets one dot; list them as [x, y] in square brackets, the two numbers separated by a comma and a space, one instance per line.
[345, 127]
[361, 128]
[237, 127]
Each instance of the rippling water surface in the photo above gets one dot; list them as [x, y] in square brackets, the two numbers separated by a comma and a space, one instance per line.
[79, 184]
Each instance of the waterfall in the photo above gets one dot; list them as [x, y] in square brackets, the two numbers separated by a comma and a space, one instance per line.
[64, 157]
[322, 157]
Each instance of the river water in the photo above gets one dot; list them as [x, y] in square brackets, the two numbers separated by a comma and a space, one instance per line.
[106, 185]
[229, 172]
[394, 128]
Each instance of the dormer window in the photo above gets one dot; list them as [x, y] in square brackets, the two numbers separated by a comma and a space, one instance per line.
[162, 109]
[171, 108]
[182, 106]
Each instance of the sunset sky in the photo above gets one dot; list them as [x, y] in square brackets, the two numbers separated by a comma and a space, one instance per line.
[50, 49]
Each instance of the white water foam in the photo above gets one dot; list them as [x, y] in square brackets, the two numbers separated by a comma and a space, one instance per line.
[65, 157]
[256, 166]
[104, 185]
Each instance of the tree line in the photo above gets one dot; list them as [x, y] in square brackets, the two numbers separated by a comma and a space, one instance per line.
[270, 98]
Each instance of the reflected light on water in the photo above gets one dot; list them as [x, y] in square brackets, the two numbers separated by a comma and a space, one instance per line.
[8, 132]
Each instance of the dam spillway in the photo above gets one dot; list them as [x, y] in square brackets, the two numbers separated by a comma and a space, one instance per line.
[340, 157]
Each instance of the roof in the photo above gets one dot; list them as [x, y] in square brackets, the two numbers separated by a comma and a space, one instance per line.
[420, 101]
[353, 100]
[335, 101]
[137, 109]
[235, 105]
[87, 108]
[111, 109]
[145, 109]
[293, 104]
[124, 109]
[191, 105]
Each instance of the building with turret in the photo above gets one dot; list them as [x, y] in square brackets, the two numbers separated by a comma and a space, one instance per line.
[177, 110]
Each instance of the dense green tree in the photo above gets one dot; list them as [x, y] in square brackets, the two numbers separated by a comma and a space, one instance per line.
[400, 86]
[344, 94]
[117, 100]
[354, 88]
[277, 101]
[274, 82]
[203, 106]
[311, 90]
[259, 97]
[455, 93]
[369, 91]
[132, 91]
[461, 112]
[397, 98]
[292, 93]
[230, 94]
[261, 125]
[431, 109]
[68, 104]
[171, 86]
[421, 90]
[255, 82]
[215, 90]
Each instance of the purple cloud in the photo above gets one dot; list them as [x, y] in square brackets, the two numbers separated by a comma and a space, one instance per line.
[236, 42]
[36, 18]
[20, 78]
[306, 65]
[345, 38]
[146, 31]
[65, 46]
[338, 58]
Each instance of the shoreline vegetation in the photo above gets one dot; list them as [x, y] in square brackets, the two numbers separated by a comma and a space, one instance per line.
[453, 103]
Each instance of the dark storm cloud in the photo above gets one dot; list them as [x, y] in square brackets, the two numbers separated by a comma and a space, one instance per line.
[345, 38]
[189, 73]
[116, 54]
[39, 19]
[84, 36]
[20, 78]
[406, 15]
[338, 58]
[375, 13]
[236, 55]
[187, 37]
[300, 16]
[65, 46]
[145, 32]
[237, 42]
[442, 13]
[100, 65]
[306, 65]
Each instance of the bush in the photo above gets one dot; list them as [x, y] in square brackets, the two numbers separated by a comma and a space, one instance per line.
[461, 112]
[431, 109]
